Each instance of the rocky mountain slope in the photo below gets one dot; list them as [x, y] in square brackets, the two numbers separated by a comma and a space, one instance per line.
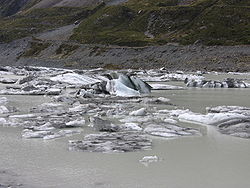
[140, 23]
[135, 23]
[11, 7]
[134, 33]
[65, 3]
[84, 56]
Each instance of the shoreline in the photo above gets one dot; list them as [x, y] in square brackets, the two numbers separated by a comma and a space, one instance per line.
[61, 54]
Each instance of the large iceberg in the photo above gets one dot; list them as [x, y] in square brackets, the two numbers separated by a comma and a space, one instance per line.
[127, 86]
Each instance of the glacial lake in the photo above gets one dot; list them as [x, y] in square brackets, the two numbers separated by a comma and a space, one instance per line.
[210, 160]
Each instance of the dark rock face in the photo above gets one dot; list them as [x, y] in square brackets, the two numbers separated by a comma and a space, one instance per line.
[10, 7]
[112, 142]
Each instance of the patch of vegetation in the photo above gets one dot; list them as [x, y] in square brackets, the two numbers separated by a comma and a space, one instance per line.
[71, 64]
[10, 7]
[34, 21]
[30, 3]
[150, 4]
[110, 25]
[35, 49]
[235, 2]
[66, 50]
[226, 25]
[97, 50]
[111, 66]
[157, 22]
[141, 23]
[244, 59]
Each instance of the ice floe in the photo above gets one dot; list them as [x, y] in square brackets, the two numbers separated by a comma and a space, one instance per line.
[112, 142]
[227, 83]
[165, 87]
[169, 130]
[116, 105]
[75, 79]
[231, 120]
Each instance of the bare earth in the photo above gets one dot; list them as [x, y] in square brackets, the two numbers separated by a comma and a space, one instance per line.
[170, 56]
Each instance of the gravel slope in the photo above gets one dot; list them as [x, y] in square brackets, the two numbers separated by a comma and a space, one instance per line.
[170, 56]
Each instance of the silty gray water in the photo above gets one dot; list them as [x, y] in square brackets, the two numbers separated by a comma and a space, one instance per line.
[211, 160]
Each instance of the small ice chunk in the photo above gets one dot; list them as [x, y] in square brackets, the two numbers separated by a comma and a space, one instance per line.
[2, 121]
[140, 119]
[76, 123]
[45, 127]
[53, 136]
[165, 87]
[69, 132]
[131, 126]
[78, 108]
[3, 100]
[35, 134]
[140, 112]
[163, 99]
[61, 133]
[3, 110]
[53, 91]
[171, 121]
[149, 159]
[23, 116]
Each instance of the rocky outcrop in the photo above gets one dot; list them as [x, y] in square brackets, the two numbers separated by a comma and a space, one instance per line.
[10, 7]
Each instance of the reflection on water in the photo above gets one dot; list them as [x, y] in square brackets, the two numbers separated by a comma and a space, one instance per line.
[212, 160]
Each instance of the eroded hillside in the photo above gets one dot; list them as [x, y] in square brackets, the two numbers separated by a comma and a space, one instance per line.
[136, 22]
